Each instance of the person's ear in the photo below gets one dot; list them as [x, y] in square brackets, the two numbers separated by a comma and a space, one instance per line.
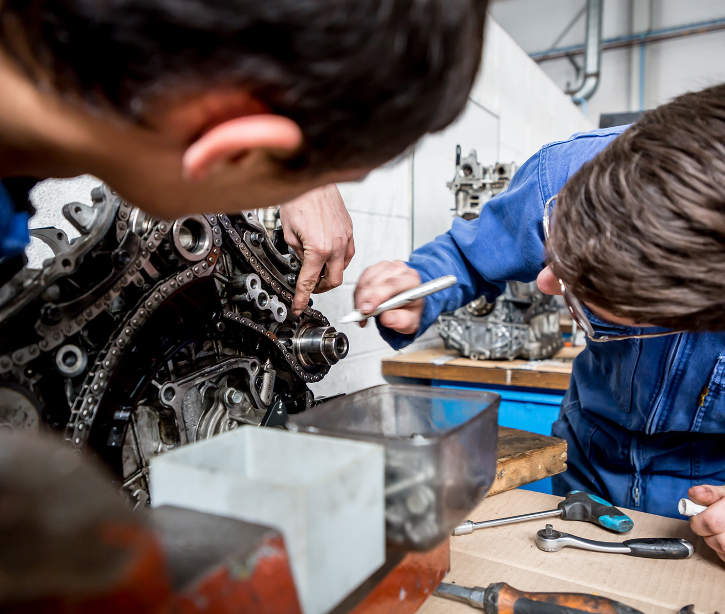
[232, 140]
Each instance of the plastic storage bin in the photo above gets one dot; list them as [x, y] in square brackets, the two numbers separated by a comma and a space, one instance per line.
[440, 452]
[325, 494]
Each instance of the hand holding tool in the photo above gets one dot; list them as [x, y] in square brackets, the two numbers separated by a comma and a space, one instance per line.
[402, 299]
[690, 508]
[550, 540]
[577, 505]
[500, 598]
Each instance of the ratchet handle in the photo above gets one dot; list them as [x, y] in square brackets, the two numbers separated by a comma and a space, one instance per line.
[501, 598]
[660, 548]
[582, 506]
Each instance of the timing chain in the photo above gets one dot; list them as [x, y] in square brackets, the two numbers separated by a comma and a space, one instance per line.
[84, 408]
[86, 404]
[262, 272]
[54, 336]
[288, 356]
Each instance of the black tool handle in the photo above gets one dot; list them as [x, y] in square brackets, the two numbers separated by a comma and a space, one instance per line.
[660, 548]
[501, 598]
[582, 506]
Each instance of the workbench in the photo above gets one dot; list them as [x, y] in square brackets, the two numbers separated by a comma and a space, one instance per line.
[440, 364]
[509, 554]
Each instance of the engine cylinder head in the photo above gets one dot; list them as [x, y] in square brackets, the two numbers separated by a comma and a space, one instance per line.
[320, 345]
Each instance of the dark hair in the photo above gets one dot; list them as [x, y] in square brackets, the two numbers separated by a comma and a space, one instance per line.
[363, 78]
[640, 229]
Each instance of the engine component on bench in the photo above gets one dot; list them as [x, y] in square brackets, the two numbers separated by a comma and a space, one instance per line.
[475, 184]
[142, 335]
[522, 322]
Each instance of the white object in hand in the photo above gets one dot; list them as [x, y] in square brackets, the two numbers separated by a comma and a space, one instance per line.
[404, 298]
[690, 508]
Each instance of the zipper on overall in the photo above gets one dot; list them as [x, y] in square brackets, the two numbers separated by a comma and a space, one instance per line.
[654, 416]
[637, 482]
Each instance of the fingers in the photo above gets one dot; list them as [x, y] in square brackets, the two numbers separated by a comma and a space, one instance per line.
[307, 279]
[405, 321]
[711, 524]
[382, 281]
[350, 251]
[335, 268]
[319, 228]
[717, 543]
[706, 495]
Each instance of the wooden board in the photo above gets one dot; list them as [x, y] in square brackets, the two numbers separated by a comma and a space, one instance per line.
[439, 363]
[525, 457]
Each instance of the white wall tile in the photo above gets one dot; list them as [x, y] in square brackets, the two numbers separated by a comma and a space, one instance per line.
[354, 373]
[434, 164]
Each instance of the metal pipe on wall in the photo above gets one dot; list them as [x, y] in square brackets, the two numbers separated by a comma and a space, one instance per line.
[639, 38]
[592, 53]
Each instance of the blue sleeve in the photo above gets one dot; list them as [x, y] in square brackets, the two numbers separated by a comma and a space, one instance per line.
[14, 234]
[506, 243]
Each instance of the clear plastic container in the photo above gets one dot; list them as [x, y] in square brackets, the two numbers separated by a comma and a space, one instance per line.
[440, 452]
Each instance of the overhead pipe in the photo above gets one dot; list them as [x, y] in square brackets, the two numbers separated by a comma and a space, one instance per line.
[638, 38]
[592, 53]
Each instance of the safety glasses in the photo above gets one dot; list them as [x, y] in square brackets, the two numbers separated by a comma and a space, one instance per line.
[574, 305]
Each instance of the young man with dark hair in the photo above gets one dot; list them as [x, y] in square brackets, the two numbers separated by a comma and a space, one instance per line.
[636, 220]
[216, 105]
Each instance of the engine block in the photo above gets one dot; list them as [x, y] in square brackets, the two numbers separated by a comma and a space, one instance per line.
[142, 335]
[522, 322]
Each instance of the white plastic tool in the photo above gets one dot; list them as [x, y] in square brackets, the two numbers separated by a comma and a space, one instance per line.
[404, 298]
[690, 508]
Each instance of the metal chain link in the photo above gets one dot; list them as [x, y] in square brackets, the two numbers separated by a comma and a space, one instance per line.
[86, 404]
[84, 408]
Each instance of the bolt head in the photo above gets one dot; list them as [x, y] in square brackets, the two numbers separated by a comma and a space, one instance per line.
[233, 397]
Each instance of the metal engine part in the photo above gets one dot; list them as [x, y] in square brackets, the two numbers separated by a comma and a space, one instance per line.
[516, 325]
[142, 335]
[475, 184]
[522, 322]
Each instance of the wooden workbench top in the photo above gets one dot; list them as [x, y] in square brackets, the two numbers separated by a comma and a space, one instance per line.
[525, 457]
[442, 364]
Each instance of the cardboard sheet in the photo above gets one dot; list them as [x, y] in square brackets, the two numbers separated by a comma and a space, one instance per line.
[509, 554]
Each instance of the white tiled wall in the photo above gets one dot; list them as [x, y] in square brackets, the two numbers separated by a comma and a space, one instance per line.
[515, 109]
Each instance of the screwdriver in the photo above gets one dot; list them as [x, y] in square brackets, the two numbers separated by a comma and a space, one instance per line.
[404, 298]
[500, 598]
[577, 505]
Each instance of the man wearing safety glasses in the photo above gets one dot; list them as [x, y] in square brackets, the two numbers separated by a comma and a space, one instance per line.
[629, 225]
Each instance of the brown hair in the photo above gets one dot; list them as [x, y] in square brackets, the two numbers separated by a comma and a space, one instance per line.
[640, 229]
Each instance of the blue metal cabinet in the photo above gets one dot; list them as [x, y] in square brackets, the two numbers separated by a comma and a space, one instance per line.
[521, 408]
